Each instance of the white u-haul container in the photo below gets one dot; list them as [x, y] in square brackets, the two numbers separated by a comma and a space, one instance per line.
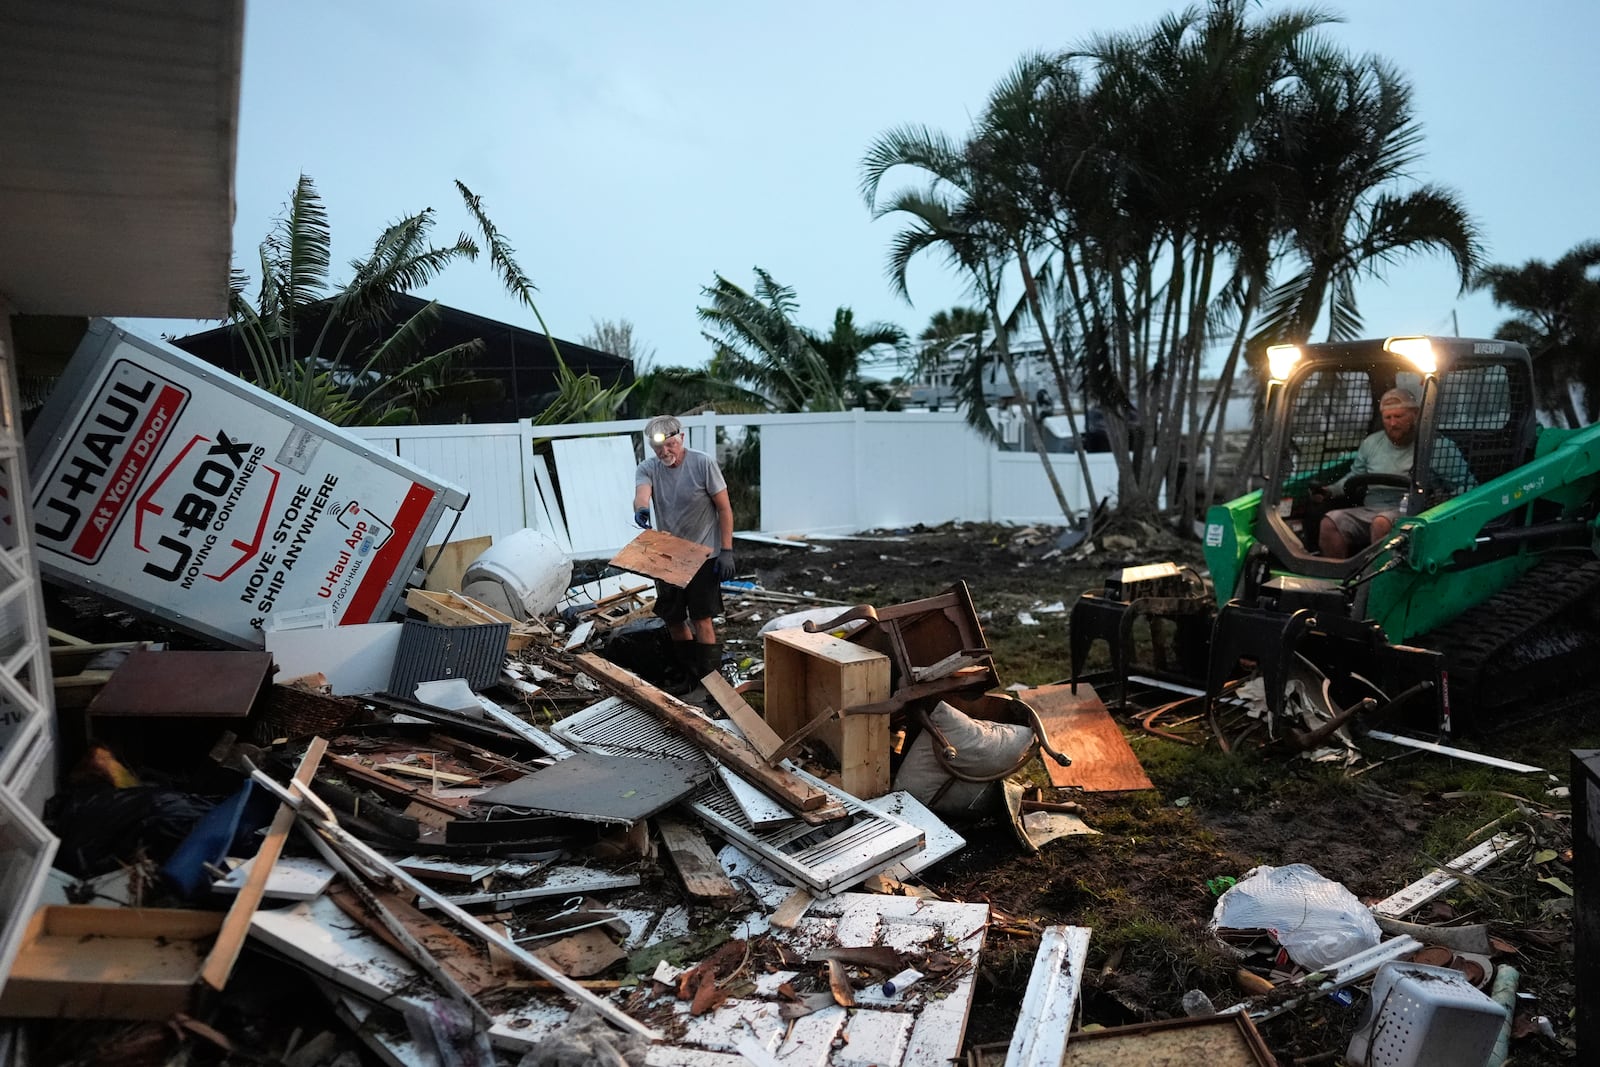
[167, 485]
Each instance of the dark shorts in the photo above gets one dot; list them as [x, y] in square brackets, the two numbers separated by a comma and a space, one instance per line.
[701, 599]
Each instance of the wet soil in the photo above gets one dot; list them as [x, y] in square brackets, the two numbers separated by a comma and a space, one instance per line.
[1143, 884]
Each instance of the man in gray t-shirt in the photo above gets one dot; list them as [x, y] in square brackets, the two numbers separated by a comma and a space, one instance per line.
[691, 501]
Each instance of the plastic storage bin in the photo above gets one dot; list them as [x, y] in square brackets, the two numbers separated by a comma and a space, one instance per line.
[1424, 1016]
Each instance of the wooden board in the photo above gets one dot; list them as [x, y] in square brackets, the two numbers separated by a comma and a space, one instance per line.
[750, 723]
[454, 559]
[661, 555]
[1080, 726]
[450, 608]
[723, 746]
[81, 961]
[807, 674]
[703, 877]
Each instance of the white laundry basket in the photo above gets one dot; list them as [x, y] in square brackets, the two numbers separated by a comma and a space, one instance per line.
[1423, 1016]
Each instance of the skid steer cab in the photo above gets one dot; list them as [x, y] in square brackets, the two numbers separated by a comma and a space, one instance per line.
[1406, 491]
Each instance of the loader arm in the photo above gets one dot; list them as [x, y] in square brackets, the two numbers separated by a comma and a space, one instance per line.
[1565, 474]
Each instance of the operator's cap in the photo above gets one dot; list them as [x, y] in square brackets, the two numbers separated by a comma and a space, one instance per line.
[1398, 397]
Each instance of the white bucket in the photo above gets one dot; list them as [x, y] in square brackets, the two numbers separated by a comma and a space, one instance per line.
[528, 567]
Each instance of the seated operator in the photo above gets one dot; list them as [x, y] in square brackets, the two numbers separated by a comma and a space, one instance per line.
[1391, 450]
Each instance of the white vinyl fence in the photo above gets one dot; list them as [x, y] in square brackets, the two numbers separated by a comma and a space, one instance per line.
[823, 472]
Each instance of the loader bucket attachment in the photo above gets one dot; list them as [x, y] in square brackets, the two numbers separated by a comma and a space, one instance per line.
[1342, 648]
[1161, 592]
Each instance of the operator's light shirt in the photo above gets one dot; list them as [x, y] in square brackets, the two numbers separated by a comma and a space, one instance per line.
[1379, 455]
[682, 495]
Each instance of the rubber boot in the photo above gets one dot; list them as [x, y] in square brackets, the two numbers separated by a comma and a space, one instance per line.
[685, 661]
[710, 658]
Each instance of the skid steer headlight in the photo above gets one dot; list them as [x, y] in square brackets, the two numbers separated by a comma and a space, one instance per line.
[1419, 350]
[1281, 360]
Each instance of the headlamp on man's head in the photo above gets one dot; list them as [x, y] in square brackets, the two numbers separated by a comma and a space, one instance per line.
[661, 429]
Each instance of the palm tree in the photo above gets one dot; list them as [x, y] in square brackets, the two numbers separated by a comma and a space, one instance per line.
[843, 349]
[963, 215]
[758, 345]
[336, 377]
[1557, 316]
[1346, 139]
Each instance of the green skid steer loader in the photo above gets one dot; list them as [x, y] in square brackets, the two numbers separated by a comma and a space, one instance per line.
[1479, 599]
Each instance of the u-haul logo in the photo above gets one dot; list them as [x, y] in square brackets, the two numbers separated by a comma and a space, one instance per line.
[107, 455]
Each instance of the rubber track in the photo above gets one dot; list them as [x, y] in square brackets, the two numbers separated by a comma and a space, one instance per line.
[1483, 641]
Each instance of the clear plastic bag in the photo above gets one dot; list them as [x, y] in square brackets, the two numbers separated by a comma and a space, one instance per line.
[1316, 920]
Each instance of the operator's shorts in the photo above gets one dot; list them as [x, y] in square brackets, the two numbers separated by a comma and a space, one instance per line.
[700, 599]
[1356, 523]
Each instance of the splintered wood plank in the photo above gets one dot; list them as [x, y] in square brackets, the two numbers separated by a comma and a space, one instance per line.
[750, 723]
[236, 927]
[661, 555]
[1079, 726]
[471, 968]
[703, 877]
[689, 723]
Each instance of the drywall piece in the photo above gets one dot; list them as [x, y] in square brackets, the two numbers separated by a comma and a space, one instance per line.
[1442, 879]
[599, 788]
[823, 859]
[355, 659]
[316, 935]
[292, 878]
[597, 474]
[1051, 1000]
[941, 841]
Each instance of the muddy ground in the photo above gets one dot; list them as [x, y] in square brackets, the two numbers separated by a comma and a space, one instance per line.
[1142, 886]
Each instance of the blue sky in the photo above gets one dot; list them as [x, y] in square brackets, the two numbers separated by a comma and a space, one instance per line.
[632, 150]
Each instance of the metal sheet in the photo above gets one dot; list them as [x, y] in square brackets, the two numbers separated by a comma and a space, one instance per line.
[822, 859]
[600, 788]
[211, 685]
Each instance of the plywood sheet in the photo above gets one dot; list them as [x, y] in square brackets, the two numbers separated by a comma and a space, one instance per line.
[451, 560]
[1079, 725]
[659, 554]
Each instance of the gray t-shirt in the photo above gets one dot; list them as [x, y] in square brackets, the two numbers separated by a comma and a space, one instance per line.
[682, 496]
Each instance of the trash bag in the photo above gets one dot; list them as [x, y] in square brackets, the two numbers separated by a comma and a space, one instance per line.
[102, 828]
[1316, 920]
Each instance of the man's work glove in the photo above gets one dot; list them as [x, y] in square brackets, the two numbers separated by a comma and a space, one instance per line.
[725, 564]
[641, 518]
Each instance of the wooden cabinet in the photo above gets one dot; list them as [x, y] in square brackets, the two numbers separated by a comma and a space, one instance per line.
[807, 675]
